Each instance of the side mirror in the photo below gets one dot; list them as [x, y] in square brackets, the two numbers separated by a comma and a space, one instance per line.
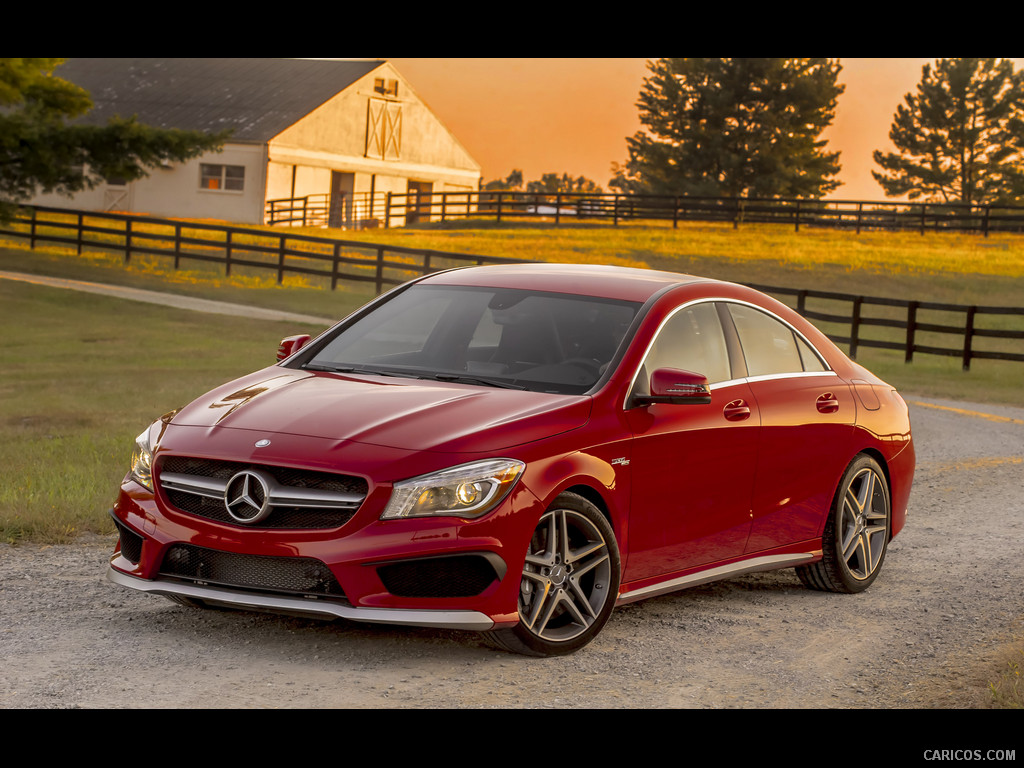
[670, 385]
[291, 345]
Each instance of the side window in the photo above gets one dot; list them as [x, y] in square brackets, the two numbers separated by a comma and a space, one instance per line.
[769, 345]
[810, 360]
[692, 340]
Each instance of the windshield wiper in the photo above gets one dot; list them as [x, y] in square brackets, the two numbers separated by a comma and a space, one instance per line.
[463, 379]
[457, 378]
[354, 369]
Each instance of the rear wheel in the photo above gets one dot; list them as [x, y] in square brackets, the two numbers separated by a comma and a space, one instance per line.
[856, 534]
[569, 584]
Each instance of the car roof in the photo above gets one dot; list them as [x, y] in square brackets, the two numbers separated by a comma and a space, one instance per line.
[624, 283]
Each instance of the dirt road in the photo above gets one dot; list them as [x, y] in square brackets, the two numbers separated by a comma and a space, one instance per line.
[927, 634]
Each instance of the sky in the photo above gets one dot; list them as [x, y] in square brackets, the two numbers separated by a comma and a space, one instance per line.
[572, 115]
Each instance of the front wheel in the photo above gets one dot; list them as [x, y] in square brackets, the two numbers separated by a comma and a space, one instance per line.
[569, 584]
[856, 534]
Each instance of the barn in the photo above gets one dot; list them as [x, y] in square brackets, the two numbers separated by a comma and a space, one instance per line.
[340, 133]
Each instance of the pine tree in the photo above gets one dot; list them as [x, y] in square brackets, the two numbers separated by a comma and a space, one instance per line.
[960, 138]
[731, 127]
[44, 148]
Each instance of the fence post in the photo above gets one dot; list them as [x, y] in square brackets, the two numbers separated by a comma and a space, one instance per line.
[227, 255]
[498, 219]
[558, 208]
[984, 225]
[911, 330]
[860, 211]
[444, 205]
[32, 230]
[855, 327]
[801, 302]
[334, 266]
[177, 244]
[380, 269]
[79, 239]
[127, 240]
[675, 212]
[280, 259]
[923, 207]
[797, 216]
[615, 209]
[969, 336]
[387, 212]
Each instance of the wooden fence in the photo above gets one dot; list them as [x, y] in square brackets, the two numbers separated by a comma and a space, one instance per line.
[277, 251]
[391, 209]
[913, 327]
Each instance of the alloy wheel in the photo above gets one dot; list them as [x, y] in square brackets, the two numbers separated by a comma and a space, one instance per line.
[566, 578]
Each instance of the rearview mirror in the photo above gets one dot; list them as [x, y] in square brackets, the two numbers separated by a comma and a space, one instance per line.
[291, 345]
[670, 385]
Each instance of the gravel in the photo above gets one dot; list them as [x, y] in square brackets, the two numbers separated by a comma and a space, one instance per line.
[930, 633]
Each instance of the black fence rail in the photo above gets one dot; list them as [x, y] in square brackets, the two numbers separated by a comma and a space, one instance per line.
[393, 209]
[911, 327]
[279, 251]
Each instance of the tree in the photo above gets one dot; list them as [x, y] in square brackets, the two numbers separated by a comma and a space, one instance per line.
[46, 146]
[730, 127]
[514, 181]
[960, 138]
[553, 184]
[548, 184]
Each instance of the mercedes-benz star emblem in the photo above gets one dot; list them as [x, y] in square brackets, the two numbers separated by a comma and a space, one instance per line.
[247, 497]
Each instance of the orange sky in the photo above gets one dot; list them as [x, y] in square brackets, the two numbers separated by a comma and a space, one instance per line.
[572, 115]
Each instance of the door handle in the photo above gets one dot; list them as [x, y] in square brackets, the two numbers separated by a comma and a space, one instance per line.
[827, 403]
[737, 410]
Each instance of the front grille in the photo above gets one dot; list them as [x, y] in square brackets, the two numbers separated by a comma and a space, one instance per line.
[304, 499]
[458, 576]
[286, 575]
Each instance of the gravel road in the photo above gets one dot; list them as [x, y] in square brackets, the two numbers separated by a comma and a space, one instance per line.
[928, 634]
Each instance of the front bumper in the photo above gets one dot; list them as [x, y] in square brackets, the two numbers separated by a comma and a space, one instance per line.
[431, 572]
[446, 619]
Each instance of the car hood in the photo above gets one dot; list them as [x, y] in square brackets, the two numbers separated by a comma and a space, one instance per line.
[395, 413]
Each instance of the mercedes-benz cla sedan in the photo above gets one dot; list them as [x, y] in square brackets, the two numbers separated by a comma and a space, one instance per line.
[517, 450]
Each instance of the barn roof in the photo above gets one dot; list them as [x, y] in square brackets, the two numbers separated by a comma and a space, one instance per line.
[256, 98]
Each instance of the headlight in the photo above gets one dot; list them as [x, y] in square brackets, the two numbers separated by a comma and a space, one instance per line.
[142, 460]
[145, 444]
[470, 490]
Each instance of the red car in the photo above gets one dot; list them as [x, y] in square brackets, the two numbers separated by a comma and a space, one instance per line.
[517, 450]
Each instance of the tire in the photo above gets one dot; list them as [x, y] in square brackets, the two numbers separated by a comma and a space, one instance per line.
[570, 581]
[856, 533]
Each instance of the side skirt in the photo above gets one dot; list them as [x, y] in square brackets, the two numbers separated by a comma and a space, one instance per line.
[628, 594]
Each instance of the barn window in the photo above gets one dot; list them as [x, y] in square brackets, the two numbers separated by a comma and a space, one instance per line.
[230, 178]
[386, 87]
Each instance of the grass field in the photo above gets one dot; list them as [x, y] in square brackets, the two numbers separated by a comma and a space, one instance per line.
[82, 375]
[938, 267]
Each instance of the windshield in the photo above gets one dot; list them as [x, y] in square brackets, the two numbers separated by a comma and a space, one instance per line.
[544, 342]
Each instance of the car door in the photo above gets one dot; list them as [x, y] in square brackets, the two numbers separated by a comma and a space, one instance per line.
[807, 417]
[692, 465]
